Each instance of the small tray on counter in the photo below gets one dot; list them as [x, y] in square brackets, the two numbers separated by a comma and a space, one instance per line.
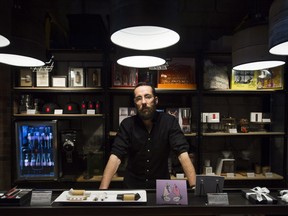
[102, 197]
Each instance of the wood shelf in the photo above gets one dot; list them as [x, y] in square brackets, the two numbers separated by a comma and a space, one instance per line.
[245, 134]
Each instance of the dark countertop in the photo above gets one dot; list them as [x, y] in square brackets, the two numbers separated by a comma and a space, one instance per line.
[196, 206]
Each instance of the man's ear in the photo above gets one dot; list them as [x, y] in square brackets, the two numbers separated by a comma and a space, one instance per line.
[156, 100]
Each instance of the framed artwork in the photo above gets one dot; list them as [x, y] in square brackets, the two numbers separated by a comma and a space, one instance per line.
[26, 78]
[93, 77]
[179, 74]
[42, 78]
[124, 76]
[59, 81]
[76, 77]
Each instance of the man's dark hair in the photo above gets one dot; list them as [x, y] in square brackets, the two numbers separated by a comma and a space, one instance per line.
[145, 84]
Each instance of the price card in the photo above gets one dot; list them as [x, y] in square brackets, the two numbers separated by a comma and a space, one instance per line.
[58, 111]
[41, 198]
[91, 111]
[230, 175]
[31, 111]
[217, 198]
[250, 174]
[269, 174]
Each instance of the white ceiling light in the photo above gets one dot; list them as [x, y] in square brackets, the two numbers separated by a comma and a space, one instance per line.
[278, 28]
[19, 60]
[250, 50]
[141, 61]
[145, 37]
[4, 41]
[144, 24]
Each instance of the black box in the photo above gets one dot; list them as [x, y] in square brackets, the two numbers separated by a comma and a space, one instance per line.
[252, 197]
[21, 198]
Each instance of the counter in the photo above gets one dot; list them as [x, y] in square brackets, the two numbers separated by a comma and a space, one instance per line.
[196, 206]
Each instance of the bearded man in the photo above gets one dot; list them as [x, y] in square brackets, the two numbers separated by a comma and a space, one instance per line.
[147, 139]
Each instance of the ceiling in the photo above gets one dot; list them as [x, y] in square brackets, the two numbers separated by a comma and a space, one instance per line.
[204, 24]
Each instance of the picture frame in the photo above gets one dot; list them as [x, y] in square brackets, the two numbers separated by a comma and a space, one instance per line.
[180, 74]
[59, 81]
[93, 77]
[42, 78]
[76, 77]
[26, 77]
[124, 76]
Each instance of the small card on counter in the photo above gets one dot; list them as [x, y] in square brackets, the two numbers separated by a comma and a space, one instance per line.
[217, 198]
[171, 192]
[42, 198]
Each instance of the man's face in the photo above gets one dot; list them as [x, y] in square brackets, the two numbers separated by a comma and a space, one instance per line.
[145, 102]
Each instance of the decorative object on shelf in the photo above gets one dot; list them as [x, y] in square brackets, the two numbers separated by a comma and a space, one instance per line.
[71, 108]
[76, 77]
[49, 108]
[215, 76]
[42, 78]
[258, 195]
[124, 76]
[183, 115]
[243, 80]
[226, 163]
[243, 125]
[26, 78]
[179, 74]
[270, 79]
[59, 81]
[228, 124]
[93, 77]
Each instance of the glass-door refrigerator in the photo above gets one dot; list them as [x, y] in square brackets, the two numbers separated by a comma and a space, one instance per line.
[36, 150]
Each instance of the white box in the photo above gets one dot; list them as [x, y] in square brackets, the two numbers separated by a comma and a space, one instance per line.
[255, 117]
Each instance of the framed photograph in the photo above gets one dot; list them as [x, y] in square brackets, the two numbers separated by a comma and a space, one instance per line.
[76, 77]
[59, 81]
[42, 78]
[124, 76]
[179, 74]
[26, 78]
[93, 77]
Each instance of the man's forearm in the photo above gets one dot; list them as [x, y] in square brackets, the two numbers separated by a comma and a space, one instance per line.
[109, 171]
[188, 168]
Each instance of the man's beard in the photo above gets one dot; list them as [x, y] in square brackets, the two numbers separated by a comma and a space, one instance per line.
[147, 113]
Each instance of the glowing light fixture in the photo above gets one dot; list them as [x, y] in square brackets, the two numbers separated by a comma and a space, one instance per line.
[23, 53]
[141, 61]
[250, 50]
[4, 41]
[27, 45]
[144, 24]
[278, 28]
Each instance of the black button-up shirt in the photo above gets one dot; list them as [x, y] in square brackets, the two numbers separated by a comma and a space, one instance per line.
[148, 153]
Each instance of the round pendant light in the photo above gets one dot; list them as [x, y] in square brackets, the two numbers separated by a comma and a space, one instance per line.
[141, 61]
[4, 41]
[278, 28]
[145, 37]
[23, 53]
[250, 50]
[144, 24]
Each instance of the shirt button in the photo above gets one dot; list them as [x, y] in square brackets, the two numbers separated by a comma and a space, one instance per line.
[149, 138]
[147, 170]
[146, 180]
[147, 161]
[148, 150]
